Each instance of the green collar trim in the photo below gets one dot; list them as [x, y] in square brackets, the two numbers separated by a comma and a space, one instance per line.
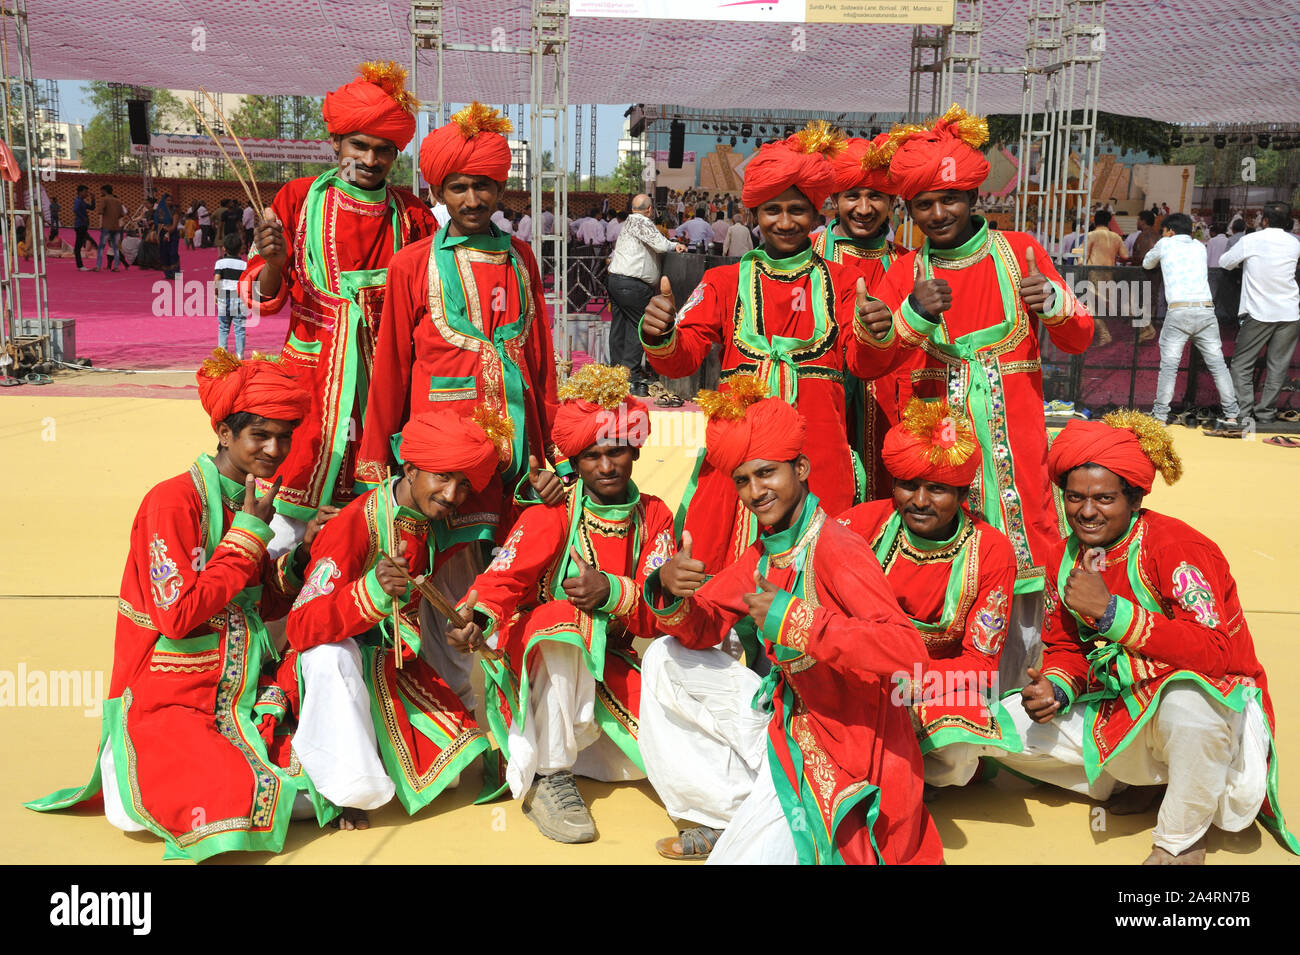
[776, 543]
[792, 264]
[612, 512]
[356, 192]
[493, 241]
[231, 490]
[967, 248]
[924, 543]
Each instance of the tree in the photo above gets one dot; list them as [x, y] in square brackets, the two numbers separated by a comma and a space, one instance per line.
[100, 152]
[282, 117]
[1127, 132]
[629, 176]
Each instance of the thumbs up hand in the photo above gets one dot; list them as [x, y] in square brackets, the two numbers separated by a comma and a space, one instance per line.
[547, 484]
[1035, 290]
[1085, 592]
[660, 313]
[590, 589]
[682, 575]
[760, 603]
[872, 313]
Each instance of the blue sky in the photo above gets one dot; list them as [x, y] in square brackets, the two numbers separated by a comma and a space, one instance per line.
[74, 107]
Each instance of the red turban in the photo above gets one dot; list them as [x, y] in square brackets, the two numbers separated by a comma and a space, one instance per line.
[443, 441]
[930, 443]
[940, 156]
[471, 144]
[1127, 443]
[768, 430]
[778, 166]
[580, 424]
[259, 386]
[861, 165]
[377, 104]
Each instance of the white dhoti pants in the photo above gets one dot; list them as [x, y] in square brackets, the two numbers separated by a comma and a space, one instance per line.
[286, 532]
[113, 809]
[335, 740]
[759, 833]
[1023, 647]
[952, 765]
[454, 579]
[703, 744]
[560, 729]
[1213, 760]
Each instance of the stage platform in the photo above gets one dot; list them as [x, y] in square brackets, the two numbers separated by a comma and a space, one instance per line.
[78, 466]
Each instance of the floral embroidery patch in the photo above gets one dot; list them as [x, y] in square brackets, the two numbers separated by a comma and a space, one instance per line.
[664, 548]
[1051, 603]
[991, 623]
[1193, 591]
[504, 555]
[319, 581]
[164, 579]
[697, 296]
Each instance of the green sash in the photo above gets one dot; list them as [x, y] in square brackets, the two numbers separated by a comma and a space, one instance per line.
[350, 286]
[813, 834]
[779, 368]
[984, 394]
[454, 308]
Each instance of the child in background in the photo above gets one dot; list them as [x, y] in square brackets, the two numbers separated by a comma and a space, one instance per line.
[230, 307]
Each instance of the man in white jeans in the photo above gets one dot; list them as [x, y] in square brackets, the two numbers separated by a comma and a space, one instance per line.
[1269, 310]
[1190, 315]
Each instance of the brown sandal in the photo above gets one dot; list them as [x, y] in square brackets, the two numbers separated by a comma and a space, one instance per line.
[689, 845]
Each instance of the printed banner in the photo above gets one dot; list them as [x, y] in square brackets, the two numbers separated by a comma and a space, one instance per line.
[257, 150]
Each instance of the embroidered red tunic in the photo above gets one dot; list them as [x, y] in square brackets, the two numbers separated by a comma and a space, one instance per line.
[844, 723]
[423, 363]
[191, 715]
[339, 239]
[782, 295]
[983, 354]
[518, 590]
[874, 409]
[959, 594]
[426, 736]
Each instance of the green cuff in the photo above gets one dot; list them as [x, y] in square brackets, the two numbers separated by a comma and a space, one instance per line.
[253, 525]
[564, 468]
[1057, 303]
[663, 348]
[774, 622]
[654, 593]
[378, 595]
[923, 327]
[1065, 688]
[615, 593]
[492, 622]
[1123, 622]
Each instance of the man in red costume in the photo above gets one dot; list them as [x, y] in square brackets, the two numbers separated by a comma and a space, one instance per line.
[192, 715]
[787, 315]
[972, 300]
[857, 237]
[323, 248]
[465, 324]
[953, 574]
[563, 600]
[409, 733]
[1149, 672]
[813, 762]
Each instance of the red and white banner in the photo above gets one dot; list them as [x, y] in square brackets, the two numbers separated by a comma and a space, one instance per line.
[257, 150]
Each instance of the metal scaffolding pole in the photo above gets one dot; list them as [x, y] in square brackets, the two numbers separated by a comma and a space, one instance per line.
[1083, 43]
[1037, 116]
[961, 55]
[577, 146]
[22, 319]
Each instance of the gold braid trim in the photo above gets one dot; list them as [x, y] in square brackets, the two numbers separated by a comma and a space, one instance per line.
[742, 391]
[477, 118]
[598, 384]
[390, 78]
[1154, 439]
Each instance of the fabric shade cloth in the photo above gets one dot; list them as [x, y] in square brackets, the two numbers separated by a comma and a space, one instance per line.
[771, 430]
[777, 167]
[364, 106]
[442, 441]
[259, 386]
[579, 424]
[1095, 442]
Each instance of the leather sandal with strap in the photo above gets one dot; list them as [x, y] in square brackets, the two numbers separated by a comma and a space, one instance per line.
[689, 845]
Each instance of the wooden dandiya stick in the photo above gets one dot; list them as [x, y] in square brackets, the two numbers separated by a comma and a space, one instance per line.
[392, 542]
[441, 604]
[230, 162]
[248, 166]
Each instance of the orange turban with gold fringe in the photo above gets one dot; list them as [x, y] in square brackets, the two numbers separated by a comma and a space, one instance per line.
[801, 161]
[931, 443]
[862, 165]
[941, 155]
[261, 386]
[596, 407]
[1128, 443]
[377, 103]
[745, 425]
[443, 441]
[470, 144]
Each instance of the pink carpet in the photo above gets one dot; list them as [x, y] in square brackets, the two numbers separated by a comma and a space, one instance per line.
[138, 320]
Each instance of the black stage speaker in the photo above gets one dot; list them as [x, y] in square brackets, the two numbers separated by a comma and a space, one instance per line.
[661, 196]
[676, 143]
[137, 114]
